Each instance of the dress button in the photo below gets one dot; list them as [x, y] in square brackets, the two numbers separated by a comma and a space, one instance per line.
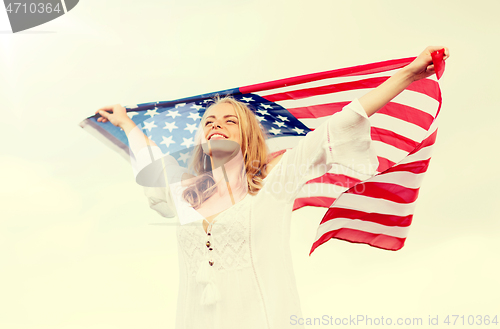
[211, 262]
[208, 244]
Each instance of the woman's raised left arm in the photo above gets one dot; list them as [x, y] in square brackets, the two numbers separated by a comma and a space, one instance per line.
[421, 67]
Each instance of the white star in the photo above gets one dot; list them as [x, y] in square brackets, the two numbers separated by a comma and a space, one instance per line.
[298, 130]
[247, 99]
[170, 126]
[187, 142]
[167, 140]
[131, 114]
[279, 124]
[197, 107]
[173, 114]
[263, 112]
[152, 112]
[149, 125]
[179, 105]
[191, 127]
[184, 157]
[275, 131]
[266, 106]
[194, 115]
[260, 118]
[282, 118]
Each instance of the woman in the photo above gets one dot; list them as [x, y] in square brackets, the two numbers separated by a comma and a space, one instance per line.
[235, 264]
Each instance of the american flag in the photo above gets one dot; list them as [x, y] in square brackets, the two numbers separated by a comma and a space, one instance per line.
[378, 210]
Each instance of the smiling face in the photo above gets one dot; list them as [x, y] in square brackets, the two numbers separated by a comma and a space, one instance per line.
[221, 122]
[230, 119]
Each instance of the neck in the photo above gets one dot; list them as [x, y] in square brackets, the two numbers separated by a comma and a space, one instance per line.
[237, 184]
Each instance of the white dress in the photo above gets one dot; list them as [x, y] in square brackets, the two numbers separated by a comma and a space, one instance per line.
[251, 283]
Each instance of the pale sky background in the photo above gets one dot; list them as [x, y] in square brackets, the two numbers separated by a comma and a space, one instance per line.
[78, 244]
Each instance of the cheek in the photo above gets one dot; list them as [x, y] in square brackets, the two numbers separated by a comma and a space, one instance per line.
[236, 133]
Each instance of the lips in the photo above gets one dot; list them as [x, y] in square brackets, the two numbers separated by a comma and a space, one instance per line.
[217, 136]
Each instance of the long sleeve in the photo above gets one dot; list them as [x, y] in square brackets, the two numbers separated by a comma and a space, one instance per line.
[344, 139]
[155, 184]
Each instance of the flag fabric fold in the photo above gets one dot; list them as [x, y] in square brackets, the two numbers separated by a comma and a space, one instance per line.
[376, 211]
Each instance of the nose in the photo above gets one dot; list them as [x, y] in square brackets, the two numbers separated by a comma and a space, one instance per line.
[216, 124]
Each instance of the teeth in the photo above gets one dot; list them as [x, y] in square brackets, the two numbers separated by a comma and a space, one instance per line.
[218, 135]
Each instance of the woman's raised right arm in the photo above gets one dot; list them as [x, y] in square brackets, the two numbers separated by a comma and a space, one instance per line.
[119, 118]
[143, 152]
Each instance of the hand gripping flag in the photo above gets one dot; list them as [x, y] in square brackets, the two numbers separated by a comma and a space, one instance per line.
[377, 211]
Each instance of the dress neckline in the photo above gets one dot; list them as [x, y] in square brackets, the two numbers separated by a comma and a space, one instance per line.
[222, 213]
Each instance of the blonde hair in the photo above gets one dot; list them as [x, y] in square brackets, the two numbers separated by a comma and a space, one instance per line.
[253, 148]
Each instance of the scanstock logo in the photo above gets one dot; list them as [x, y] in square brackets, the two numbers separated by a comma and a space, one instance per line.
[24, 15]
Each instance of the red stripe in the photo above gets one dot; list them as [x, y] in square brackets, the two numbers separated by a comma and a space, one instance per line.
[428, 87]
[384, 164]
[375, 240]
[417, 167]
[408, 114]
[391, 138]
[430, 140]
[386, 191]
[323, 202]
[323, 90]
[383, 219]
[349, 71]
[317, 111]
[399, 111]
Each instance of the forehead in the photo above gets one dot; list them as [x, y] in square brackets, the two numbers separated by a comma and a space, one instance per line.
[220, 110]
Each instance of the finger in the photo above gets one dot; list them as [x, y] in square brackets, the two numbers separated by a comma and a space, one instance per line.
[446, 53]
[434, 48]
[106, 108]
[104, 114]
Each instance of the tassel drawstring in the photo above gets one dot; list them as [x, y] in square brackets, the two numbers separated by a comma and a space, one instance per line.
[210, 294]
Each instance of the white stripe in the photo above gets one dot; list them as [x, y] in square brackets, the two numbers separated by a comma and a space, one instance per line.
[401, 178]
[389, 152]
[410, 98]
[380, 206]
[398, 126]
[401, 127]
[356, 224]
[64, 6]
[417, 100]
[422, 154]
[425, 152]
[325, 82]
[343, 96]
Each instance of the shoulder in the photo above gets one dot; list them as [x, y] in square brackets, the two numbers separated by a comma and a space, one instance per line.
[274, 161]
